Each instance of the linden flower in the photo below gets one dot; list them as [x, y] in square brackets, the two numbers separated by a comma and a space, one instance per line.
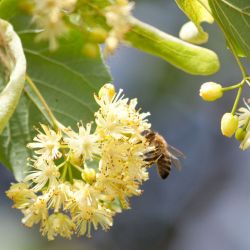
[22, 196]
[118, 117]
[117, 16]
[245, 144]
[87, 210]
[48, 15]
[122, 169]
[67, 192]
[46, 172]
[84, 143]
[59, 194]
[52, 31]
[47, 144]
[123, 158]
[88, 216]
[244, 115]
[36, 212]
[58, 224]
[244, 119]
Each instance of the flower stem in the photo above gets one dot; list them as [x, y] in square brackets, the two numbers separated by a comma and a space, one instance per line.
[233, 86]
[64, 171]
[70, 175]
[237, 100]
[44, 103]
[78, 168]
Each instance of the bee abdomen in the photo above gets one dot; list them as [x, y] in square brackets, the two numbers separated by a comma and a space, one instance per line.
[164, 166]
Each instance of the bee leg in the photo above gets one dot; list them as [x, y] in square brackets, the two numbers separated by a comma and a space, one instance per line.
[151, 156]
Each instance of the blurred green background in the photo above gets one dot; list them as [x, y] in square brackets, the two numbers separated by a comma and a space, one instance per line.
[206, 205]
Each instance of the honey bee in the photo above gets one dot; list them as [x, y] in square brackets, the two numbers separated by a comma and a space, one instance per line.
[164, 155]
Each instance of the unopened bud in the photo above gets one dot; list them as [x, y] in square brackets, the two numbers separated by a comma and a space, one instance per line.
[90, 50]
[107, 90]
[240, 134]
[211, 91]
[98, 35]
[89, 175]
[229, 124]
[76, 160]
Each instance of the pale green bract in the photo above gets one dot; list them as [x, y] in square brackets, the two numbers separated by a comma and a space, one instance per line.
[188, 57]
[10, 95]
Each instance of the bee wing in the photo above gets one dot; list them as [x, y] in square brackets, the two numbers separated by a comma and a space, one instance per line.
[176, 162]
[175, 155]
[176, 152]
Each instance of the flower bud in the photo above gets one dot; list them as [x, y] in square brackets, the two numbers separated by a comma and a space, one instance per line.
[90, 50]
[76, 160]
[211, 91]
[229, 124]
[108, 90]
[98, 35]
[89, 175]
[240, 134]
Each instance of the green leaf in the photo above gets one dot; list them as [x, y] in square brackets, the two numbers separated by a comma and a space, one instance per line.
[188, 57]
[198, 12]
[14, 61]
[17, 134]
[233, 17]
[66, 79]
[8, 8]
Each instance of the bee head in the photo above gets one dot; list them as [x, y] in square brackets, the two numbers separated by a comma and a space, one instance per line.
[148, 134]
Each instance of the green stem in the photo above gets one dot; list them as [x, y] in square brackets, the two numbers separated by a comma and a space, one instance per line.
[62, 164]
[237, 100]
[233, 86]
[70, 175]
[44, 103]
[78, 168]
[64, 171]
[244, 75]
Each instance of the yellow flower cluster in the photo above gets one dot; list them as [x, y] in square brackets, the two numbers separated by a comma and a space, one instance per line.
[80, 180]
[49, 16]
[53, 17]
[117, 16]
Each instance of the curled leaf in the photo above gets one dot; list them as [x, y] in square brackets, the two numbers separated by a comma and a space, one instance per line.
[14, 63]
[190, 33]
[198, 11]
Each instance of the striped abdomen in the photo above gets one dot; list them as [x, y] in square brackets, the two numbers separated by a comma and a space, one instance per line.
[164, 165]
